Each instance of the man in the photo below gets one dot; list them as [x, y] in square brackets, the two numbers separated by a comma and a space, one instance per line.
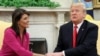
[77, 37]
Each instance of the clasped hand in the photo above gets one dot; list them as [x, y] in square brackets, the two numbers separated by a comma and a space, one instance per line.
[54, 54]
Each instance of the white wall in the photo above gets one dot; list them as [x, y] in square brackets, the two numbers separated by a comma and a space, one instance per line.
[5, 16]
[97, 14]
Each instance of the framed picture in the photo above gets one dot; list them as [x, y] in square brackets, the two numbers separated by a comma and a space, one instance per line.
[96, 3]
[88, 3]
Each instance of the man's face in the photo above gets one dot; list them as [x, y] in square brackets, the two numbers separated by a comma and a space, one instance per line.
[77, 14]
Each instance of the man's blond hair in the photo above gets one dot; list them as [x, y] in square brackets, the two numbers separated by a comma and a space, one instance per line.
[79, 4]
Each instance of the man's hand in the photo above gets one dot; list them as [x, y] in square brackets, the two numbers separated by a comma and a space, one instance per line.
[55, 54]
[49, 54]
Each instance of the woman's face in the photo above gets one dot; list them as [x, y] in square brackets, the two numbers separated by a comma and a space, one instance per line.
[24, 21]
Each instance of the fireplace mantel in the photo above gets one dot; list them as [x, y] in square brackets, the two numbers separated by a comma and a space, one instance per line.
[37, 9]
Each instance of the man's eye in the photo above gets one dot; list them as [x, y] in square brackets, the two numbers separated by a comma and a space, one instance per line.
[72, 11]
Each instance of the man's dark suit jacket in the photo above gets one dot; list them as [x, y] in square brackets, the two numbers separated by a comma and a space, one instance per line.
[86, 40]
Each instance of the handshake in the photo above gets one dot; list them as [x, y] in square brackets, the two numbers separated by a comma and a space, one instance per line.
[50, 54]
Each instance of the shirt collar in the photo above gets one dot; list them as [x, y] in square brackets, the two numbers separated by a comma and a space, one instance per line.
[79, 25]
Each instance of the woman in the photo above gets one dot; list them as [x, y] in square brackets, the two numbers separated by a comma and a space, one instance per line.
[1, 53]
[16, 38]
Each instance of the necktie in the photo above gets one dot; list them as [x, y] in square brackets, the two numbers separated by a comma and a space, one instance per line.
[74, 36]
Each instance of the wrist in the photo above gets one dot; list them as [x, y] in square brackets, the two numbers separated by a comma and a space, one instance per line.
[61, 53]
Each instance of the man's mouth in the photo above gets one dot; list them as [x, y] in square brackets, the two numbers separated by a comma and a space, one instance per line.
[74, 17]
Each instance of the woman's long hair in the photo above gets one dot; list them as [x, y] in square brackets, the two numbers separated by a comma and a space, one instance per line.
[16, 16]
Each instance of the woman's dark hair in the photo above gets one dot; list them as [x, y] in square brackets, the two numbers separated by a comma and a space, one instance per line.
[16, 16]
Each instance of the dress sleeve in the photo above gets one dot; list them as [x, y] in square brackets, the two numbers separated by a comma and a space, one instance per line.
[11, 41]
[28, 40]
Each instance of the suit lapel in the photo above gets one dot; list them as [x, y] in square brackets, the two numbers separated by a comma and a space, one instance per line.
[81, 31]
[70, 33]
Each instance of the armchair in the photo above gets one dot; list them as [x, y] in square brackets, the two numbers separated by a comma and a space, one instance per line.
[3, 26]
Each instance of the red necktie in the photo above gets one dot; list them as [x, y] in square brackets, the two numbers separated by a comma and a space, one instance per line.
[74, 36]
